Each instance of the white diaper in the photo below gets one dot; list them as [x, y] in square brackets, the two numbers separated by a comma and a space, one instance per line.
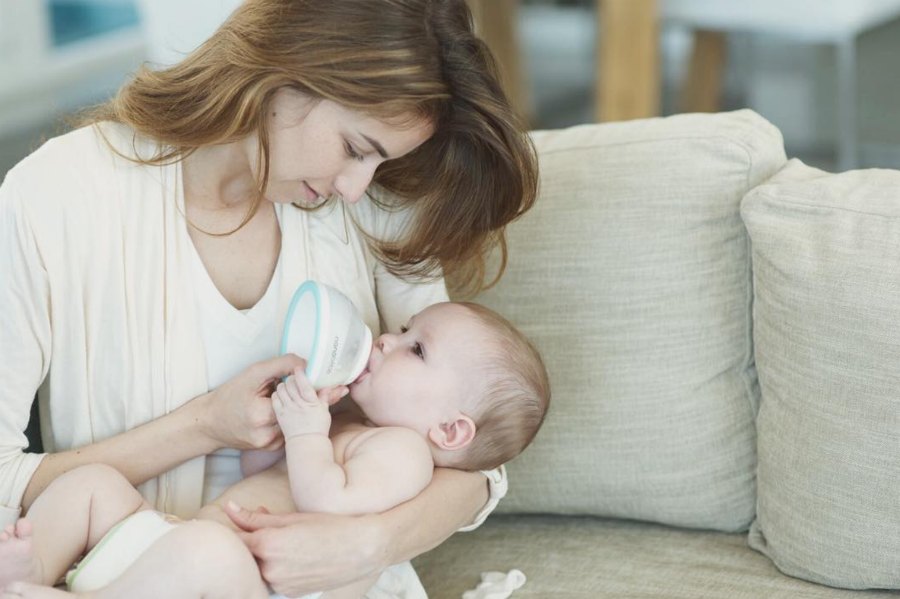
[118, 549]
[121, 547]
[126, 541]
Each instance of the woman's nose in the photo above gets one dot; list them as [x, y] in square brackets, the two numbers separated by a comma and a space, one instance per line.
[351, 184]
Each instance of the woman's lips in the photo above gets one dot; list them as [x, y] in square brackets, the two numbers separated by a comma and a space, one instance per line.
[311, 194]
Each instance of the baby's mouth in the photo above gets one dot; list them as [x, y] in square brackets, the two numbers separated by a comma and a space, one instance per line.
[361, 375]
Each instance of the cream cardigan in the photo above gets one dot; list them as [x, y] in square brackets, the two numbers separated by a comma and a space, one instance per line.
[97, 307]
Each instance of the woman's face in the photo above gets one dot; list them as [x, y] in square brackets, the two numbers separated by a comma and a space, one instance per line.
[318, 148]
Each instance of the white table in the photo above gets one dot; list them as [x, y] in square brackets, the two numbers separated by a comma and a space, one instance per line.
[833, 22]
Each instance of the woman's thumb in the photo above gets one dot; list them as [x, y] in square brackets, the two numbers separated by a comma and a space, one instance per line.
[244, 519]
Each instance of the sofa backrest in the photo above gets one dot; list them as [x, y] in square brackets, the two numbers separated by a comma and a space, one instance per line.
[632, 276]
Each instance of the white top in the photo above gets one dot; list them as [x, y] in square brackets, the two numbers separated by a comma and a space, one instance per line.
[98, 281]
[234, 339]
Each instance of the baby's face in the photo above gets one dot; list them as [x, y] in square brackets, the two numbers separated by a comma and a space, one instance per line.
[423, 376]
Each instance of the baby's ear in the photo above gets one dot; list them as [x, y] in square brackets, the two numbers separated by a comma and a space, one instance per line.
[453, 435]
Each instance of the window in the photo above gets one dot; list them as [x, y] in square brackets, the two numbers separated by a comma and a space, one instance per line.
[58, 55]
[74, 20]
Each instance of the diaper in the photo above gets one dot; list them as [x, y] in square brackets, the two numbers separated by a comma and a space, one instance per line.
[121, 547]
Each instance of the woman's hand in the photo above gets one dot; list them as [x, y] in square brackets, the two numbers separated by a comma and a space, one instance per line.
[239, 413]
[306, 553]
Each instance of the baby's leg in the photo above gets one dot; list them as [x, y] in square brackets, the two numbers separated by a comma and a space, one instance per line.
[195, 560]
[64, 522]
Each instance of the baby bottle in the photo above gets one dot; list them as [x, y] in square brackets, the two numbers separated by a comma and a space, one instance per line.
[324, 327]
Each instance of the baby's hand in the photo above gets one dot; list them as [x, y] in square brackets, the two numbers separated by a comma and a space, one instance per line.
[302, 411]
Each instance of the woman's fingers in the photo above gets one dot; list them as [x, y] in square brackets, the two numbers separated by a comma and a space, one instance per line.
[255, 520]
[276, 368]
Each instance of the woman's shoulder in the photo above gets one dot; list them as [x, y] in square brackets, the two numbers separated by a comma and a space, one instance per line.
[78, 175]
[82, 162]
[53, 155]
[98, 146]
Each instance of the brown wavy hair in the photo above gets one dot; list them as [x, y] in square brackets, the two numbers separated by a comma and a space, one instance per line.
[390, 59]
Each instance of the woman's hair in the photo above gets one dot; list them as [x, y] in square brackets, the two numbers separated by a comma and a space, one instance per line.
[389, 59]
[513, 399]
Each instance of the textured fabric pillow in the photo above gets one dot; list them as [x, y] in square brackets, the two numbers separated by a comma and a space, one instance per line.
[826, 268]
[632, 276]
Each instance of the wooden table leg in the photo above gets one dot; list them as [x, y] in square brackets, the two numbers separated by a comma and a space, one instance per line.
[496, 22]
[627, 82]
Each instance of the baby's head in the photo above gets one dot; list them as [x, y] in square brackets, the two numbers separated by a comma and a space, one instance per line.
[462, 376]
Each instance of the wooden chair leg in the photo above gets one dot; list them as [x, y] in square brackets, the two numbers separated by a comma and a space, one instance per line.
[702, 88]
[496, 22]
[627, 83]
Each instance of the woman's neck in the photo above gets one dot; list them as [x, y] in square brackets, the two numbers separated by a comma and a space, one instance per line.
[218, 177]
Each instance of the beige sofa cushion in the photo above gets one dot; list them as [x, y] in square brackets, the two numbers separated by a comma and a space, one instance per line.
[826, 263]
[632, 276]
[591, 558]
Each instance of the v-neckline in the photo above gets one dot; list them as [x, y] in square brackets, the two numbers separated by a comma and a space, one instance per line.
[207, 287]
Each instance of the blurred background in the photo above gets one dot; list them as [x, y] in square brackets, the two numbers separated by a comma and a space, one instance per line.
[824, 71]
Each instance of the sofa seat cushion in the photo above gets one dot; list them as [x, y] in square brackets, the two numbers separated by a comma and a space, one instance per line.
[592, 558]
[632, 276]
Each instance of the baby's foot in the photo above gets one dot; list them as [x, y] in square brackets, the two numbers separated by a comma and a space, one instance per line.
[25, 590]
[17, 559]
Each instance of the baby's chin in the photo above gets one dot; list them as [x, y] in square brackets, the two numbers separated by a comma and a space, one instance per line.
[355, 392]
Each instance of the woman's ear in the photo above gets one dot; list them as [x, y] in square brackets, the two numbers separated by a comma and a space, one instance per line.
[453, 435]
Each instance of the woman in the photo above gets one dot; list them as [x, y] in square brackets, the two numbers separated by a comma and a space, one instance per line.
[148, 259]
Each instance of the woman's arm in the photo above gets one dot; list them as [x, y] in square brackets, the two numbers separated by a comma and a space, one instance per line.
[238, 414]
[449, 503]
[304, 553]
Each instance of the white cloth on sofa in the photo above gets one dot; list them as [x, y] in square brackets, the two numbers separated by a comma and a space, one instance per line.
[496, 585]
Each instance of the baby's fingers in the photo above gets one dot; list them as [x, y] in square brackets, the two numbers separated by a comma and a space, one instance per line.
[302, 388]
[278, 399]
[332, 395]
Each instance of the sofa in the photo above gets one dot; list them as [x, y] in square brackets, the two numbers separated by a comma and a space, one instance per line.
[722, 333]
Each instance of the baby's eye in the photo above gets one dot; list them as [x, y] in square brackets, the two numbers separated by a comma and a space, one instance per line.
[403, 329]
[417, 349]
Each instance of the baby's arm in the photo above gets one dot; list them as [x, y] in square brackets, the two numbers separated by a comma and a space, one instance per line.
[383, 467]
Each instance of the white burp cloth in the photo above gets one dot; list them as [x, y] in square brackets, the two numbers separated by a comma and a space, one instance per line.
[118, 549]
[496, 585]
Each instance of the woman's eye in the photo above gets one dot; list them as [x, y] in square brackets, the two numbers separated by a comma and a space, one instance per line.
[352, 153]
[417, 349]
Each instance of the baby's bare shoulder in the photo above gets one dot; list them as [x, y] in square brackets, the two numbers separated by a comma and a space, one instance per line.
[400, 442]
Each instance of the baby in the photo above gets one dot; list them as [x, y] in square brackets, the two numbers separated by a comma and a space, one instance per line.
[458, 387]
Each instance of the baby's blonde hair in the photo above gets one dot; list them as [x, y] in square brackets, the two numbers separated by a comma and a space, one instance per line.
[513, 398]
